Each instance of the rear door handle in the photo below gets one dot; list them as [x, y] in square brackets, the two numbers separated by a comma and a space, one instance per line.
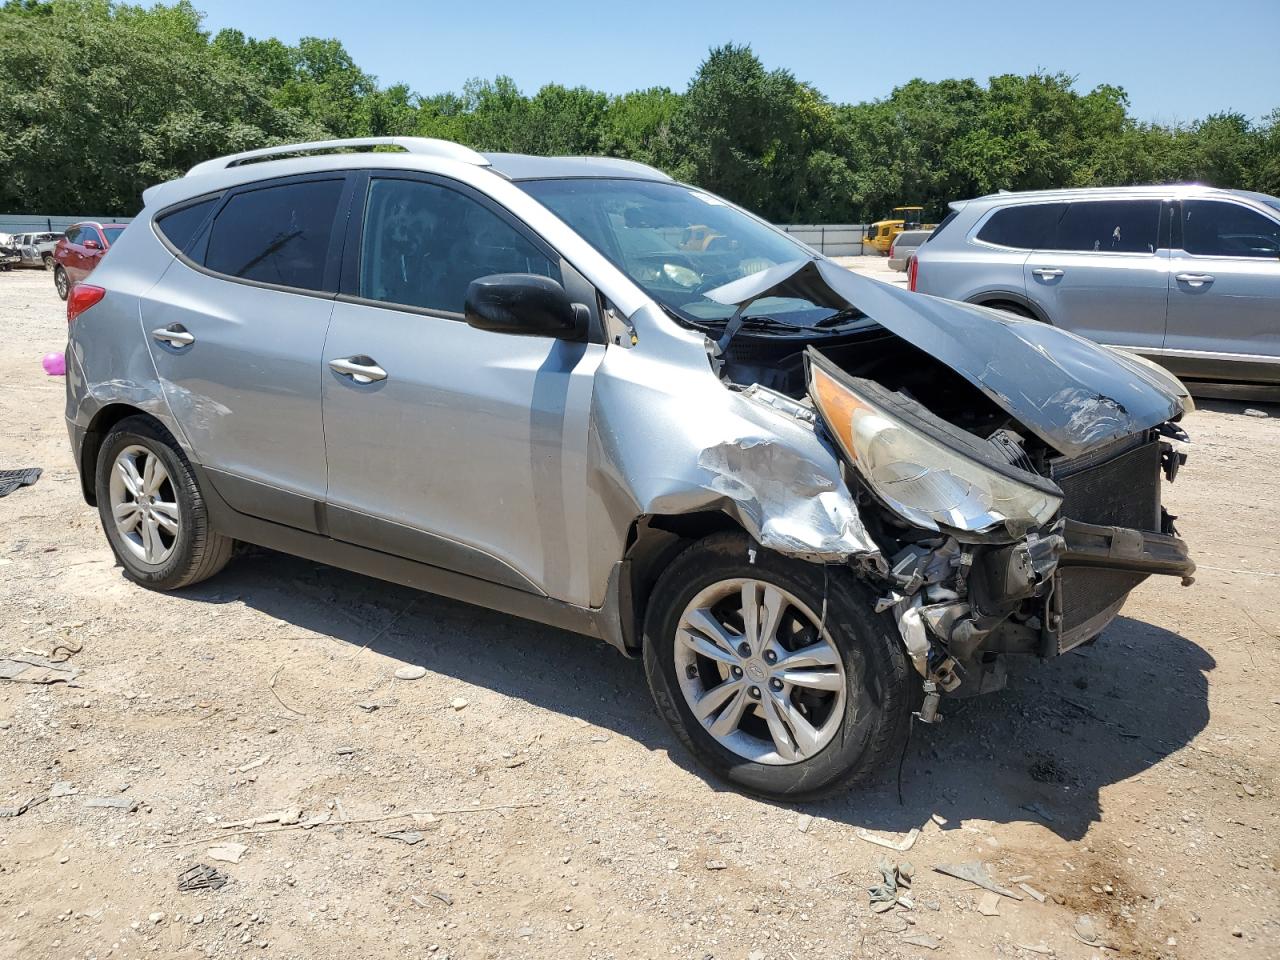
[1047, 273]
[1195, 279]
[175, 335]
[361, 369]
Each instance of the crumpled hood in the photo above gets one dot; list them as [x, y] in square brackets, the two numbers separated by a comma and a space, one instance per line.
[1073, 394]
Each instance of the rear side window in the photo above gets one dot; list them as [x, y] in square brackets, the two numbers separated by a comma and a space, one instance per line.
[278, 235]
[1026, 227]
[112, 233]
[1214, 229]
[179, 227]
[423, 244]
[1110, 226]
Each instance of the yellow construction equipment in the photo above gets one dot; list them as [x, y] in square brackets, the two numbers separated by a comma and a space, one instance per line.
[881, 233]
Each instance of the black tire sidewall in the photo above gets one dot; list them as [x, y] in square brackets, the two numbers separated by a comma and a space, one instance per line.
[64, 287]
[143, 433]
[875, 665]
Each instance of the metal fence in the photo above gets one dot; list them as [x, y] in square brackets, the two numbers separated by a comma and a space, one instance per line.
[40, 223]
[832, 239]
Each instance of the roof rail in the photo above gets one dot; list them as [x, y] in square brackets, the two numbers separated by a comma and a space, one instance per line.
[421, 145]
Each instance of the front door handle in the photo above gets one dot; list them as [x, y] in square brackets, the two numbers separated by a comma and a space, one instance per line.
[1194, 279]
[175, 335]
[361, 369]
[1047, 273]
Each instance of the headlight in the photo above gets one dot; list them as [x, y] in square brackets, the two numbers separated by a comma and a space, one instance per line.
[925, 480]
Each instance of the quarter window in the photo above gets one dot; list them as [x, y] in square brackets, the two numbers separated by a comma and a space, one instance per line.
[1110, 226]
[423, 245]
[1025, 227]
[1214, 229]
[179, 227]
[278, 235]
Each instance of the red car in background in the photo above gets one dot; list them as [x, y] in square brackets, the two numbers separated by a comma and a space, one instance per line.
[80, 250]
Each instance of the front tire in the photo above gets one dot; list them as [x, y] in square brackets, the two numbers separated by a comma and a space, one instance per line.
[762, 687]
[152, 510]
[61, 282]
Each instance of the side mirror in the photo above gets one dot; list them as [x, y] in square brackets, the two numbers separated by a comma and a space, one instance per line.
[91, 244]
[526, 304]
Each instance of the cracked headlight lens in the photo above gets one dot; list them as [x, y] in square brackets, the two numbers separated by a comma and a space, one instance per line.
[922, 479]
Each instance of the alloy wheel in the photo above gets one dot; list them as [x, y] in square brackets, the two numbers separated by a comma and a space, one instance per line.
[759, 671]
[144, 505]
[60, 281]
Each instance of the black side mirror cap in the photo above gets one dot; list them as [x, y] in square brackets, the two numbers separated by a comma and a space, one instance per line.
[527, 304]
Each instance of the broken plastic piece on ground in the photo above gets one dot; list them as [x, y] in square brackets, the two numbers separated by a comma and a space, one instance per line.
[201, 877]
[404, 836]
[28, 668]
[11, 480]
[901, 846]
[227, 851]
[112, 803]
[923, 940]
[21, 808]
[975, 872]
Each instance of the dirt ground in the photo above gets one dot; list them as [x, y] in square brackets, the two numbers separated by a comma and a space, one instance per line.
[1133, 781]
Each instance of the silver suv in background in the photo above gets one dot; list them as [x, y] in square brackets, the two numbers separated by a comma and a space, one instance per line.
[904, 247]
[814, 503]
[1188, 276]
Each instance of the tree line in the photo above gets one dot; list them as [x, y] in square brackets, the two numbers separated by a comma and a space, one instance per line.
[99, 100]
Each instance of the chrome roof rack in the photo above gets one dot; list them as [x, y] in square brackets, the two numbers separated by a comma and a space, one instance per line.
[420, 145]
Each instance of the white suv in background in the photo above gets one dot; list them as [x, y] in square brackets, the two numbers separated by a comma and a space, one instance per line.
[1188, 275]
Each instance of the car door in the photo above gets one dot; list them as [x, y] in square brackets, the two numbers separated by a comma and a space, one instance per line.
[1224, 297]
[458, 447]
[93, 246]
[236, 326]
[72, 259]
[1104, 273]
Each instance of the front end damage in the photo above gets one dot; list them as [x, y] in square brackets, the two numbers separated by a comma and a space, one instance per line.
[1013, 507]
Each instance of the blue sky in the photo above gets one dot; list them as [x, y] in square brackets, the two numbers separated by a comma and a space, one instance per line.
[1178, 59]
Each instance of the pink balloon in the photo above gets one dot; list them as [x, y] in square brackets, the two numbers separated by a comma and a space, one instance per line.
[55, 364]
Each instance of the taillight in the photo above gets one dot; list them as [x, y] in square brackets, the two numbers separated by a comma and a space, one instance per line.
[83, 296]
[913, 273]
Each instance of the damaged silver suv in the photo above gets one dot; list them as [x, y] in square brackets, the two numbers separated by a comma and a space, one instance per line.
[576, 391]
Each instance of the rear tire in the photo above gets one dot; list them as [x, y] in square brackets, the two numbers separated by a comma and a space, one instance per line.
[855, 697]
[61, 282]
[152, 511]
[48, 261]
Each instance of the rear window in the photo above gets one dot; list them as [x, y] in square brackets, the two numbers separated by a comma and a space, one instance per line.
[1110, 226]
[912, 238]
[278, 235]
[179, 226]
[1027, 226]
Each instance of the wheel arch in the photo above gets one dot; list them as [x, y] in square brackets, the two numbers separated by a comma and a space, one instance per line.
[95, 433]
[999, 298]
[653, 541]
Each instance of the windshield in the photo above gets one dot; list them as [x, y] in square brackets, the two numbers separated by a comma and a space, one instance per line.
[113, 233]
[677, 243]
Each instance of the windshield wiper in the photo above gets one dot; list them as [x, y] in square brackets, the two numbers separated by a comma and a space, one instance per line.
[738, 321]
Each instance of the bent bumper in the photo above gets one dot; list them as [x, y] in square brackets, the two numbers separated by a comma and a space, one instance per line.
[1122, 548]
